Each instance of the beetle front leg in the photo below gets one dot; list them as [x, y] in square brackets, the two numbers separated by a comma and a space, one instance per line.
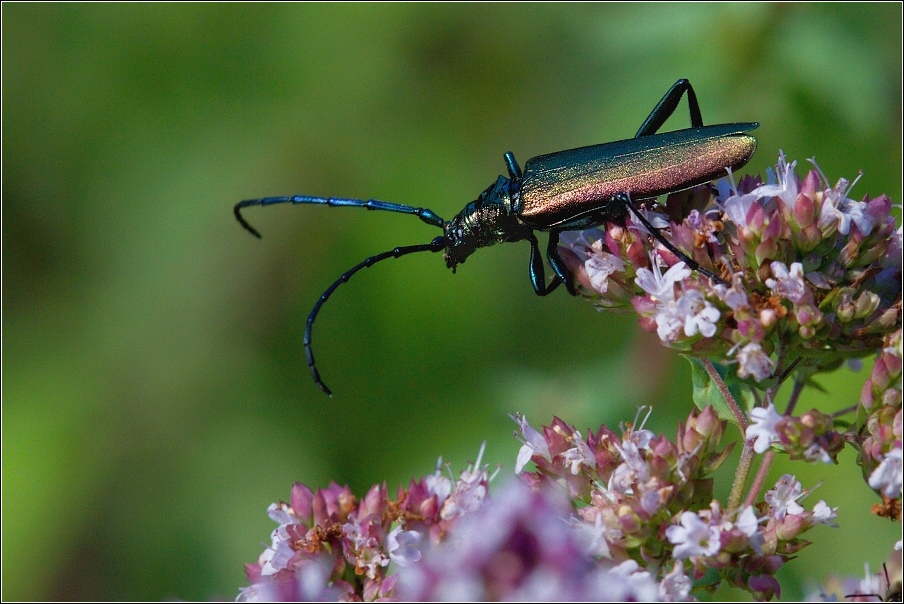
[537, 273]
[557, 264]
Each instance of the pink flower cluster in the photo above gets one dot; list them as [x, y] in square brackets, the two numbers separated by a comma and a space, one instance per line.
[811, 437]
[808, 278]
[808, 273]
[623, 517]
[880, 413]
[331, 545]
[648, 498]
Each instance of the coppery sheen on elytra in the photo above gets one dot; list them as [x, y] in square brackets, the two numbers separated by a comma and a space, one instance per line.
[554, 185]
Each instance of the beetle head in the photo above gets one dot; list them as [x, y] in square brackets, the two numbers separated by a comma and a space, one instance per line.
[460, 241]
[489, 219]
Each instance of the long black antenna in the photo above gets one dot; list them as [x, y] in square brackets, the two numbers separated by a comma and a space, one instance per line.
[426, 215]
[437, 245]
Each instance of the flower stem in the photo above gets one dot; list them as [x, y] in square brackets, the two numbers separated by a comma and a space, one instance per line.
[760, 479]
[740, 481]
[795, 394]
[845, 411]
[746, 461]
[726, 394]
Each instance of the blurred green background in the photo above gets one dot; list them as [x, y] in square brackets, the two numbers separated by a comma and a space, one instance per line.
[155, 393]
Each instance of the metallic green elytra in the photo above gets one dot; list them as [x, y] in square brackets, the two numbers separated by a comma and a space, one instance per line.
[564, 191]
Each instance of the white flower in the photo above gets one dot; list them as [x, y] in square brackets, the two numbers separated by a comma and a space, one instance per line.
[599, 265]
[592, 537]
[437, 484]
[579, 455]
[786, 185]
[871, 584]
[788, 283]
[534, 444]
[402, 546]
[738, 206]
[734, 297]
[752, 361]
[749, 525]
[783, 498]
[765, 420]
[675, 586]
[660, 221]
[823, 514]
[277, 556]
[669, 321]
[816, 452]
[693, 537]
[887, 477]
[699, 315]
[661, 287]
[469, 491]
[281, 513]
[632, 470]
[847, 210]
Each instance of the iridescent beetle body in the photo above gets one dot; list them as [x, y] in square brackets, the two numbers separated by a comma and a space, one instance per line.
[564, 191]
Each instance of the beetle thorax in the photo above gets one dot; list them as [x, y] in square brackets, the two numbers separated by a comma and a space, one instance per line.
[490, 219]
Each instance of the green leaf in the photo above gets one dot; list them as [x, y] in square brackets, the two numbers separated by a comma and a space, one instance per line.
[708, 394]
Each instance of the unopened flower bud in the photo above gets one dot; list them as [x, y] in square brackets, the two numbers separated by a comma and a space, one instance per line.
[867, 303]
[804, 211]
[809, 238]
[768, 317]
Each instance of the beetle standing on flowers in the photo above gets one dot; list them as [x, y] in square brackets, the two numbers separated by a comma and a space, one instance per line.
[563, 191]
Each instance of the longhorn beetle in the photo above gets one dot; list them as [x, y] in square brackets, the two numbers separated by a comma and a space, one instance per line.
[563, 191]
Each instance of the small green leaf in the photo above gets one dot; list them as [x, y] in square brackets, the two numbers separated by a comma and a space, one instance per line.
[708, 394]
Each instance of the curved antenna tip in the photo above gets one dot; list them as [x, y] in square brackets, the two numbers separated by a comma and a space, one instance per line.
[238, 216]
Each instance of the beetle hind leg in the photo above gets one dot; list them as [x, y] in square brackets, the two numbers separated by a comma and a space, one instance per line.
[693, 264]
[666, 107]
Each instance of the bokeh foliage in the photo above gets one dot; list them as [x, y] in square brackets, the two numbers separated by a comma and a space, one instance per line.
[155, 394]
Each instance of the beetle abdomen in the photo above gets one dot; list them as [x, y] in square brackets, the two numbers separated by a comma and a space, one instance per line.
[564, 187]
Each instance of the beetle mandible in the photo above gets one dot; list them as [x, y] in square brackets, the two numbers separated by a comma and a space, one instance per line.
[563, 191]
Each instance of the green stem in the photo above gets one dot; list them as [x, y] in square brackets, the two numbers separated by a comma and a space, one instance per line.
[740, 481]
[726, 394]
[747, 453]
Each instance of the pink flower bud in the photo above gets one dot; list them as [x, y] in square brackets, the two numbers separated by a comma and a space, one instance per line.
[881, 376]
[302, 502]
[804, 211]
[810, 185]
[809, 238]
